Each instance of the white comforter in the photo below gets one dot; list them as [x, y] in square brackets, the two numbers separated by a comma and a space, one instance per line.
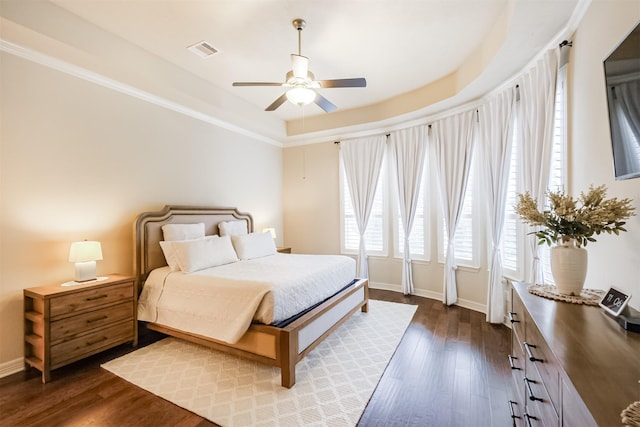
[221, 302]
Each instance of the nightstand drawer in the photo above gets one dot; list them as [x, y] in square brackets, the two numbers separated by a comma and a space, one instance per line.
[89, 298]
[77, 348]
[70, 326]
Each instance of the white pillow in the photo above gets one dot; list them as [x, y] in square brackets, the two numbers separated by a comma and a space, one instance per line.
[194, 255]
[254, 245]
[232, 228]
[170, 253]
[173, 232]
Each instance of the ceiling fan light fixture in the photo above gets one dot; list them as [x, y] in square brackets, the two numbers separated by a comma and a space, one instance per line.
[301, 95]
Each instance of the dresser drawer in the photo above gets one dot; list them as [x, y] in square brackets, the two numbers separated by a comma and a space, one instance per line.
[517, 316]
[70, 326]
[89, 298]
[545, 362]
[77, 348]
[539, 405]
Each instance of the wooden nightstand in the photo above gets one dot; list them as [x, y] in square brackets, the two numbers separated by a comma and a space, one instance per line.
[284, 250]
[63, 324]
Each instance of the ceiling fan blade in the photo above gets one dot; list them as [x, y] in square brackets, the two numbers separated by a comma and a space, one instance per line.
[278, 102]
[300, 66]
[357, 82]
[257, 84]
[325, 104]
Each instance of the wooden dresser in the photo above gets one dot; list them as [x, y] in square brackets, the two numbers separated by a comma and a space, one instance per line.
[63, 324]
[572, 364]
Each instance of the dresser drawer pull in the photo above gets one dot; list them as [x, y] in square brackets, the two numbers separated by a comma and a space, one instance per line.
[511, 315]
[513, 367]
[529, 418]
[532, 397]
[528, 348]
[513, 413]
[96, 341]
[97, 297]
[97, 319]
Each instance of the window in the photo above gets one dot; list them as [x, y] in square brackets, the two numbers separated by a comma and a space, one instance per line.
[465, 238]
[557, 170]
[513, 234]
[420, 231]
[374, 236]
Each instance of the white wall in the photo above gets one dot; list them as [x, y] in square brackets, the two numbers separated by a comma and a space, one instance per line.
[613, 260]
[80, 161]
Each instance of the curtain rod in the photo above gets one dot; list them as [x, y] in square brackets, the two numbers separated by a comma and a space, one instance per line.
[387, 135]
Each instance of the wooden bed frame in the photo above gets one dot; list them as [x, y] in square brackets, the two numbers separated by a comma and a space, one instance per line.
[281, 347]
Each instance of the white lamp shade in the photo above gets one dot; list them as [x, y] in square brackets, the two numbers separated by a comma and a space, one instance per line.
[85, 251]
[270, 230]
[301, 95]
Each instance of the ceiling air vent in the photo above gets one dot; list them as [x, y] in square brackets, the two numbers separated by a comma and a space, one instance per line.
[203, 49]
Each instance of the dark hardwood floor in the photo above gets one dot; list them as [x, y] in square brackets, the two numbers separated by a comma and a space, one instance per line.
[450, 369]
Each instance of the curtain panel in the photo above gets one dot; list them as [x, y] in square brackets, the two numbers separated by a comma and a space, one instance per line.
[453, 148]
[537, 100]
[496, 130]
[362, 160]
[408, 150]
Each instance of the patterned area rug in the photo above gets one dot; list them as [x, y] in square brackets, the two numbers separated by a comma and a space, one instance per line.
[333, 383]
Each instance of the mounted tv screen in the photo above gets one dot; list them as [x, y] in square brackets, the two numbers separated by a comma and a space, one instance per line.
[622, 77]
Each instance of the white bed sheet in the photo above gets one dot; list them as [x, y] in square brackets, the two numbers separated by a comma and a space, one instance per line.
[221, 302]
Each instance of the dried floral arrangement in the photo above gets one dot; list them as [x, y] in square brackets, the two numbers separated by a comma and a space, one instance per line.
[567, 218]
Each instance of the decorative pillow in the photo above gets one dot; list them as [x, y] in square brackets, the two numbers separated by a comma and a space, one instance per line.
[170, 253]
[254, 245]
[232, 228]
[194, 255]
[174, 232]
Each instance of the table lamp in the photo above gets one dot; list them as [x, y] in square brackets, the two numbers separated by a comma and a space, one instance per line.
[84, 255]
[270, 230]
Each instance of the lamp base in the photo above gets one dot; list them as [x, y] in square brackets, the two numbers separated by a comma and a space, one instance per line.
[85, 271]
[86, 282]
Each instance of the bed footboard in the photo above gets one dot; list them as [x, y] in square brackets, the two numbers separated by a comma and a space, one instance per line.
[303, 335]
[285, 347]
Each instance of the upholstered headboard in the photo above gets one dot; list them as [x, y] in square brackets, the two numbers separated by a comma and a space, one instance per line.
[148, 231]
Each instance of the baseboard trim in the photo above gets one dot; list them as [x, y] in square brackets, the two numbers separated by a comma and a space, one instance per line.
[471, 305]
[11, 367]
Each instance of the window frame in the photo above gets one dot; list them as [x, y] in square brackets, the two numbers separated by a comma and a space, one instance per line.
[476, 219]
[344, 192]
[397, 232]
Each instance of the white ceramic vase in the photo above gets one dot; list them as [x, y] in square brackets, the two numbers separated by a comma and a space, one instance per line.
[569, 267]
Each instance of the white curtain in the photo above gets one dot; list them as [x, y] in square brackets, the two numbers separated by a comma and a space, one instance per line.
[408, 149]
[537, 100]
[624, 102]
[362, 159]
[453, 149]
[496, 127]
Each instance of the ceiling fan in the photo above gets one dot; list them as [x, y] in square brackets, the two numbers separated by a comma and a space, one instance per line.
[301, 82]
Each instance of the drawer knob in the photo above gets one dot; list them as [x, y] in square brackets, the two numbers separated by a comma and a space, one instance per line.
[97, 297]
[513, 367]
[511, 317]
[528, 348]
[529, 418]
[532, 397]
[97, 319]
[511, 410]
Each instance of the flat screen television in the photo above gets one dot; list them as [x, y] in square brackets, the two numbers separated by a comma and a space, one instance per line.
[622, 77]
